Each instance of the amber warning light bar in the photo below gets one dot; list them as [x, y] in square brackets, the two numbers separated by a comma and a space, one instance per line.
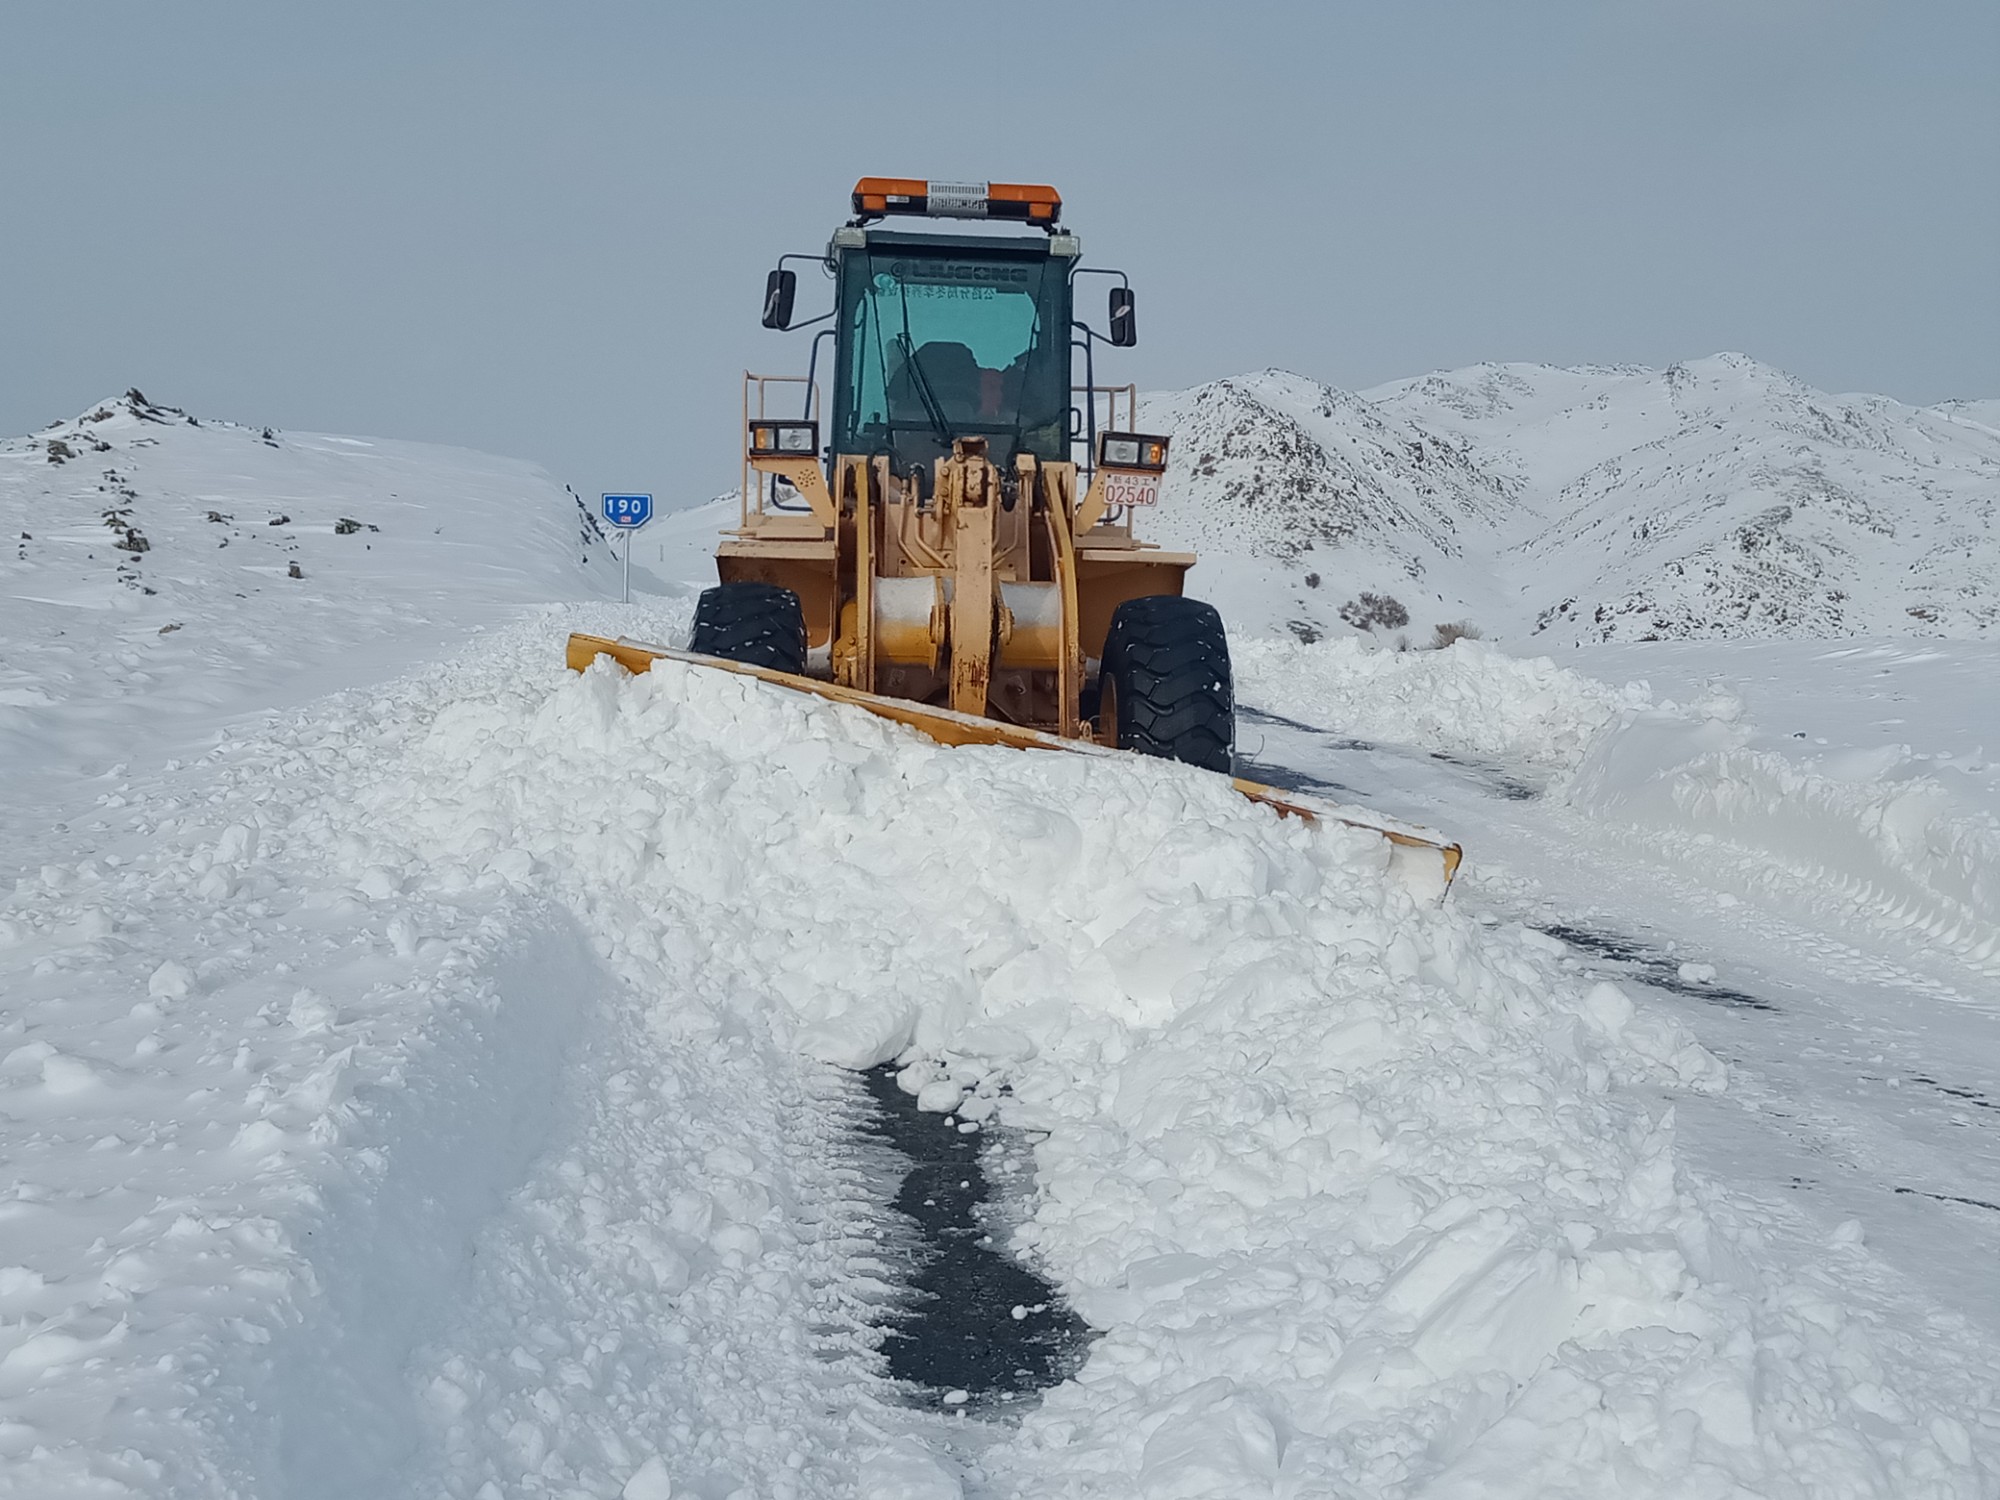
[1034, 203]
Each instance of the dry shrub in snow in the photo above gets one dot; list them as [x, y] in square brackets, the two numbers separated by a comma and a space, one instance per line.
[1371, 610]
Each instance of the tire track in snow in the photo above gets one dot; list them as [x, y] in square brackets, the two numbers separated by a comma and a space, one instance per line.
[687, 1287]
[389, 1255]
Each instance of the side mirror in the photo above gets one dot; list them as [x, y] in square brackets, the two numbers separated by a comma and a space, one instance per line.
[780, 288]
[1124, 325]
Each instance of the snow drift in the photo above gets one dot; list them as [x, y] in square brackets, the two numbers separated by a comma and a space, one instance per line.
[1356, 1194]
[1875, 834]
[1470, 697]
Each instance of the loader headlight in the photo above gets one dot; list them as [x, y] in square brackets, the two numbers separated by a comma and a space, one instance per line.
[1132, 450]
[769, 439]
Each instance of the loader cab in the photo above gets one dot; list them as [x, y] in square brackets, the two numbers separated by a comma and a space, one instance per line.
[946, 336]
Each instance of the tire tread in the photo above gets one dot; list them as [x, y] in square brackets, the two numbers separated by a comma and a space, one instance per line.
[1169, 659]
[757, 624]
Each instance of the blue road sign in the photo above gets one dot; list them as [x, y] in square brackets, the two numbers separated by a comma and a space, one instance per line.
[628, 511]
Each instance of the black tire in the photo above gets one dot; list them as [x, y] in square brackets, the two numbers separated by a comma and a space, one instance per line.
[758, 624]
[1166, 681]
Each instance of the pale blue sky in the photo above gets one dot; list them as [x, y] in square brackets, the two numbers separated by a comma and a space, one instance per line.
[543, 229]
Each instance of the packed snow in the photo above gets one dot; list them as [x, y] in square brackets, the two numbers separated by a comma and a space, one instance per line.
[441, 1085]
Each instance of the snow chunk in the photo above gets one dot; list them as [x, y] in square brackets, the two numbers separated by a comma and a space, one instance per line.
[906, 1470]
[63, 1074]
[650, 1481]
[170, 981]
[940, 1097]
[1608, 1008]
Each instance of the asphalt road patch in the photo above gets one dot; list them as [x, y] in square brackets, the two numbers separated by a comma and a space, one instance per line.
[1651, 966]
[977, 1331]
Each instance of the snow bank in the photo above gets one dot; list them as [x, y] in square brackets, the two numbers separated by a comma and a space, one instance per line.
[1878, 833]
[512, 977]
[1871, 829]
[1469, 697]
[1346, 1184]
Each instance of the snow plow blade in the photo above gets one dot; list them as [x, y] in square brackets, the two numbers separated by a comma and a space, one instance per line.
[1423, 861]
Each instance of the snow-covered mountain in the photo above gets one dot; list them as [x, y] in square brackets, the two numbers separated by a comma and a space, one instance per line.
[1290, 491]
[1716, 498]
[158, 568]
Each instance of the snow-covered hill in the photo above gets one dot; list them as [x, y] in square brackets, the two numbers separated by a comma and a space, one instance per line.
[1287, 488]
[159, 569]
[1717, 498]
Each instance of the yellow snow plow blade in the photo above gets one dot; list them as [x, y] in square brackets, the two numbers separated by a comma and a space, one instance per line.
[1423, 860]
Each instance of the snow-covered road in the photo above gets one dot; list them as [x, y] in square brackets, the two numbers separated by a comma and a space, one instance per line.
[1864, 1056]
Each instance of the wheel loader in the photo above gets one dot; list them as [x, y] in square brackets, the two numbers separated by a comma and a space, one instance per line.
[944, 528]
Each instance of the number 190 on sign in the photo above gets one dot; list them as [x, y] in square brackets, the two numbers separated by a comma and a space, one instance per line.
[628, 511]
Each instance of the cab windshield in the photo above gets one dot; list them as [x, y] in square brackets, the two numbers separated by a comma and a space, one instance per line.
[942, 345]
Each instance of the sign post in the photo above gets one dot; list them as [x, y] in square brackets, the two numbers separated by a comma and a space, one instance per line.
[628, 513]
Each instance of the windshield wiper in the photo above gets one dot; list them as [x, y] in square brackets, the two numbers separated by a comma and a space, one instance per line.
[924, 392]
